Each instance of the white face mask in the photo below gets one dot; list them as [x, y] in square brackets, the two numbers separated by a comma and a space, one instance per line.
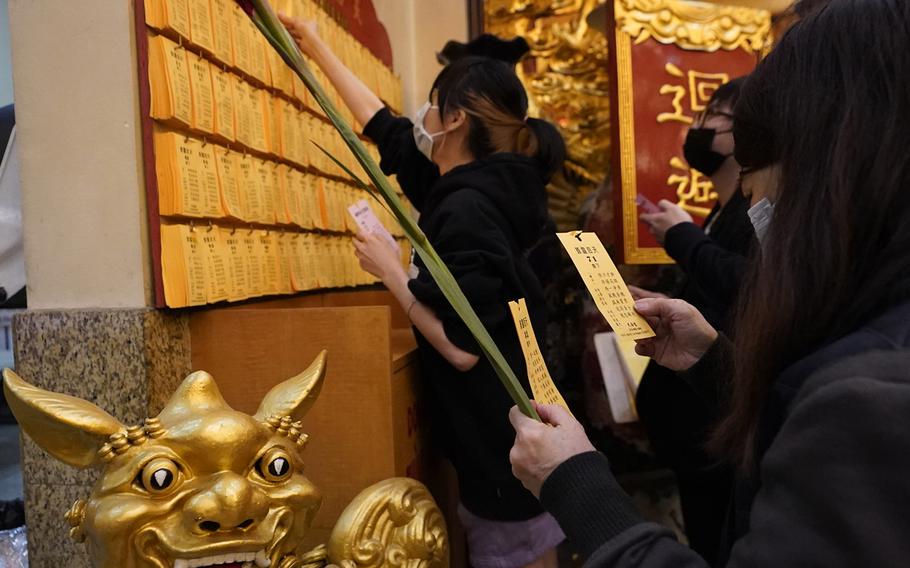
[422, 138]
[760, 215]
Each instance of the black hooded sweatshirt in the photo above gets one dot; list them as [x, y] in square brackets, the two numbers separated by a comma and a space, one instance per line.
[481, 218]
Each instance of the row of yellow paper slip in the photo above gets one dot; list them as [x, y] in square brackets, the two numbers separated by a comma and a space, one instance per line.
[205, 180]
[355, 56]
[188, 92]
[223, 30]
[205, 265]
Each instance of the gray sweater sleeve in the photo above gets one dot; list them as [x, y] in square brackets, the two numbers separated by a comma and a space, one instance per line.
[835, 484]
[836, 480]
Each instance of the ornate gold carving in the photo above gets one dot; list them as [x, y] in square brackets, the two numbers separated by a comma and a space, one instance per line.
[74, 518]
[566, 76]
[697, 26]
[392, 523]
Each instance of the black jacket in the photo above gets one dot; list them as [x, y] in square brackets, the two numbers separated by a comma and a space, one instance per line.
[832, 487]
[481, 218]
[713, 263]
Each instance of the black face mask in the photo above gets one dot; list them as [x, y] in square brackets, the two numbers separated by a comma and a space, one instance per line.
[697, 150]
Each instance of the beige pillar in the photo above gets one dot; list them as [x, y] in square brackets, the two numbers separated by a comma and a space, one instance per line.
[418, 29]
[83, 197]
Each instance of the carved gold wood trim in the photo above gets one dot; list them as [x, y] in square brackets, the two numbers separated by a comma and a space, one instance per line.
[394, 523]
[697, 26]
[632, 253]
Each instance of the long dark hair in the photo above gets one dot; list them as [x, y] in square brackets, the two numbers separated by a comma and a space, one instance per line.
[492, 96]
[830, 106]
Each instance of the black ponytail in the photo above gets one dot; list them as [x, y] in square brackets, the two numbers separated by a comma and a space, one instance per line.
[496, 103]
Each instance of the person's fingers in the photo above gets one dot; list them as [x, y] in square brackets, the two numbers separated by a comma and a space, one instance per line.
[554, 414]
[649, 218]
[659, 307]
[518, 419]
[645, 349]
[666, 205]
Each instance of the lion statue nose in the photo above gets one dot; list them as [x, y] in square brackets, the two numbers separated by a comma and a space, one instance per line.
[229, 503]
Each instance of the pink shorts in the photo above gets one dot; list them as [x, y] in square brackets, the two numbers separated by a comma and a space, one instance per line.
[503, 544]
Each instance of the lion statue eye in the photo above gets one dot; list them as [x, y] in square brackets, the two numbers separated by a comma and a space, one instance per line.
[160, 476]
[275, 465]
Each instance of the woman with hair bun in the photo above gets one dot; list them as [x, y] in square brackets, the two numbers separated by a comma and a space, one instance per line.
[475, 166]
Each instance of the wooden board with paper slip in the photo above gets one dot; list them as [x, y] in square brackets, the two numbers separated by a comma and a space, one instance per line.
[543, 389]
[231, 140]
[606, 285]
[622, 369]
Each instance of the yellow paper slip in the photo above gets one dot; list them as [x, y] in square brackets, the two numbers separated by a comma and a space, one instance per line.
[239, 264]
[293, 189]
[606, 285]
[275, 119]
[203, 96]
[201, 33]
[283, 247]
[255, 264]
[228, 166]
[242, 33]
[173, 271]
[208, 171]
[223, 88]
[267, 183]
[218, 267]
[542, 386]
[295, 258]
[168, 15]
[271, 263]
[169, 82]
[250, 187]
[222, 28]
[243, 113]
[259, 129]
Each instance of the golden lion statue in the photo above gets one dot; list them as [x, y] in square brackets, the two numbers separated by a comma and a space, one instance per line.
[202, 484]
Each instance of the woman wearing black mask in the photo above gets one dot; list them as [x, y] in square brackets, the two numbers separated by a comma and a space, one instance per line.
[676, 416]
[712, 257]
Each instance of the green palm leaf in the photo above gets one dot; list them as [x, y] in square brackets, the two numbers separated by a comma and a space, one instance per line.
[267, 22]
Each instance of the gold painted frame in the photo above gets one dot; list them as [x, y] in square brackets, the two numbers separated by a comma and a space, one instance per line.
[694, 26]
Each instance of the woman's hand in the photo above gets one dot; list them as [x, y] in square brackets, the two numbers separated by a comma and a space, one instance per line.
[540, 447]
[304, 32]
[377, 257]
[641, 293]
[669, 216]
[683, 334]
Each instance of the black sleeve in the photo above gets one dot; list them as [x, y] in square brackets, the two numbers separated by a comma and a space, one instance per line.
[715, 269]
[710, 376]
[473, 245]
[600, 519]
[834, 484]
[399, 154]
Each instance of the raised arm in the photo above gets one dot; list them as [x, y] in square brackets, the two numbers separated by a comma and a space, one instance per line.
[358, 97]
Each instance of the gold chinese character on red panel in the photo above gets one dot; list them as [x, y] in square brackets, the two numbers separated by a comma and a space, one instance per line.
[692, 87]
[694, 192]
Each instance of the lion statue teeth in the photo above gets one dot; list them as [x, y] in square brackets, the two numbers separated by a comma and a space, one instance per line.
[203, 485]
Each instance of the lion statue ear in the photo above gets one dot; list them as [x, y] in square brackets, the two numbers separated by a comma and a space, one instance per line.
[68, 428]
[295, 396]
